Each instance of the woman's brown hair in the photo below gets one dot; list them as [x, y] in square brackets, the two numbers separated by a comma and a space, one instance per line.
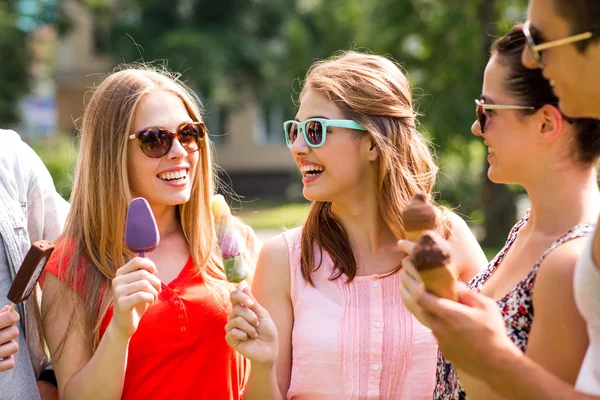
[373, 91]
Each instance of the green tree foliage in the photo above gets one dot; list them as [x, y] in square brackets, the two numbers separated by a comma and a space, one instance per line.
[224, 48]
[14, 76]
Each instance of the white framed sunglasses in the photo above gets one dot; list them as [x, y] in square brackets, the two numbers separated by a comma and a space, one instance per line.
[315, 129]
[536, 48]
[480, 108]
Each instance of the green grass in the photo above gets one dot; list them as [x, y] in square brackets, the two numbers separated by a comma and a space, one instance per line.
[272, 214]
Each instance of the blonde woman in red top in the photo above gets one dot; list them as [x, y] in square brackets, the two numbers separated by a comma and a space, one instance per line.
[121, 326]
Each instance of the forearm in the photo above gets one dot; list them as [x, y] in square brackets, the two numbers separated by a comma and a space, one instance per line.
[262, 384]
[518, 377]
[103, 376]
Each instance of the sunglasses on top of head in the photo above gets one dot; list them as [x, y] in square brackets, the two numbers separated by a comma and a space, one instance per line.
[156, 142]
[481, 107]
[314, 130]
[536, 46]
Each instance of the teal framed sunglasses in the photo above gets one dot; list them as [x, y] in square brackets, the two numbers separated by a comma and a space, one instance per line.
[315, 129]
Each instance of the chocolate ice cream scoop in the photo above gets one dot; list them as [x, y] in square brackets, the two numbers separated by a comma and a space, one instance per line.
[29, 272]
[431, 258]
[431, 251]
[418, 216]
[141, 232]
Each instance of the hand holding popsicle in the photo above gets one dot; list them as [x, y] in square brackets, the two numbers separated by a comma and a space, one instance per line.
[250, 329]
[23, 285]
[136, 286]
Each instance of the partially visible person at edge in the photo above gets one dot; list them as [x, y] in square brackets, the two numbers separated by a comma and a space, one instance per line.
[30, 210]
[120, 326]
[325, 319]
[563, 42]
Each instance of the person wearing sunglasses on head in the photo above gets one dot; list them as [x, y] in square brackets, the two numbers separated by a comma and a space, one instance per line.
[554, 158]
[125, 327]
[325, 319]
[30, 210]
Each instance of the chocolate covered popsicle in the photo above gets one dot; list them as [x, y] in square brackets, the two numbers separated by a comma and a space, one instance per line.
[232, 246]
[141, 232]
[29, 272]
[431, 258]
[418, 216]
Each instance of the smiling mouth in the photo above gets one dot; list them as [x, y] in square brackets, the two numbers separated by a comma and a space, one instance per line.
[311, 170]
[173, 176]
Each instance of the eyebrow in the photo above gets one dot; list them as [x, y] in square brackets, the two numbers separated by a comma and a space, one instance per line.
[316, 116]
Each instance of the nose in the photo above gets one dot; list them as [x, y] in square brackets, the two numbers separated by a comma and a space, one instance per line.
[527, 59]
[476, 129]
[299, 146]
[177, 150]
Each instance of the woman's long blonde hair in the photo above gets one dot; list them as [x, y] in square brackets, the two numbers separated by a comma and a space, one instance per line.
[373, 91]
[94, 229]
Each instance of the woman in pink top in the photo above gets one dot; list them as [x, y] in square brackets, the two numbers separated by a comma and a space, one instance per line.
[327, 320]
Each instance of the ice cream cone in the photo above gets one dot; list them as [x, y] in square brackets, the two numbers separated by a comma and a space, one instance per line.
[418, 216]
[441, 281]
[431, 258]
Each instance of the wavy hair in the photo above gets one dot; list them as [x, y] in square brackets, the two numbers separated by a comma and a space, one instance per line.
[373, 91]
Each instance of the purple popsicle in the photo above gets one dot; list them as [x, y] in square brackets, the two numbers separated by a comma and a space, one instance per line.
[141, 232]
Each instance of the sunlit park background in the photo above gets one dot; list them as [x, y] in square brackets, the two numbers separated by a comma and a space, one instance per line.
[245, 59]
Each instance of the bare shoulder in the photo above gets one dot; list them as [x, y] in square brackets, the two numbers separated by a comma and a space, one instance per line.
[460, 229]
[467, 255]
[556, 271]
[272, 268]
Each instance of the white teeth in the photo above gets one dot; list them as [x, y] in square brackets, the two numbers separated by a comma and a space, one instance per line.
[490, 150]
[169, 176]
[552, 83]
[310, 168]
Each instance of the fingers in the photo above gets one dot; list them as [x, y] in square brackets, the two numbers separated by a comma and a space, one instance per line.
[410, 269]
[7, 363]
[473, 299]
[406, 246]
[125, 304]
[8, 349]
[9, 333]
[8, 318]
[243, 298]
[235, 337]
[137, 263]
[244, 329]
[139, 274]
[123, 290]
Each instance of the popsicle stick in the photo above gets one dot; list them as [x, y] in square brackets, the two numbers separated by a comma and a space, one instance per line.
[12, 306]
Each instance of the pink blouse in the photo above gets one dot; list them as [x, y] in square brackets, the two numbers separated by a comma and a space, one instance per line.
[355, 340]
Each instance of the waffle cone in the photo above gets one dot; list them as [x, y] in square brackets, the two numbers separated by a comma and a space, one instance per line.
[414, 236]
[440, 281]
